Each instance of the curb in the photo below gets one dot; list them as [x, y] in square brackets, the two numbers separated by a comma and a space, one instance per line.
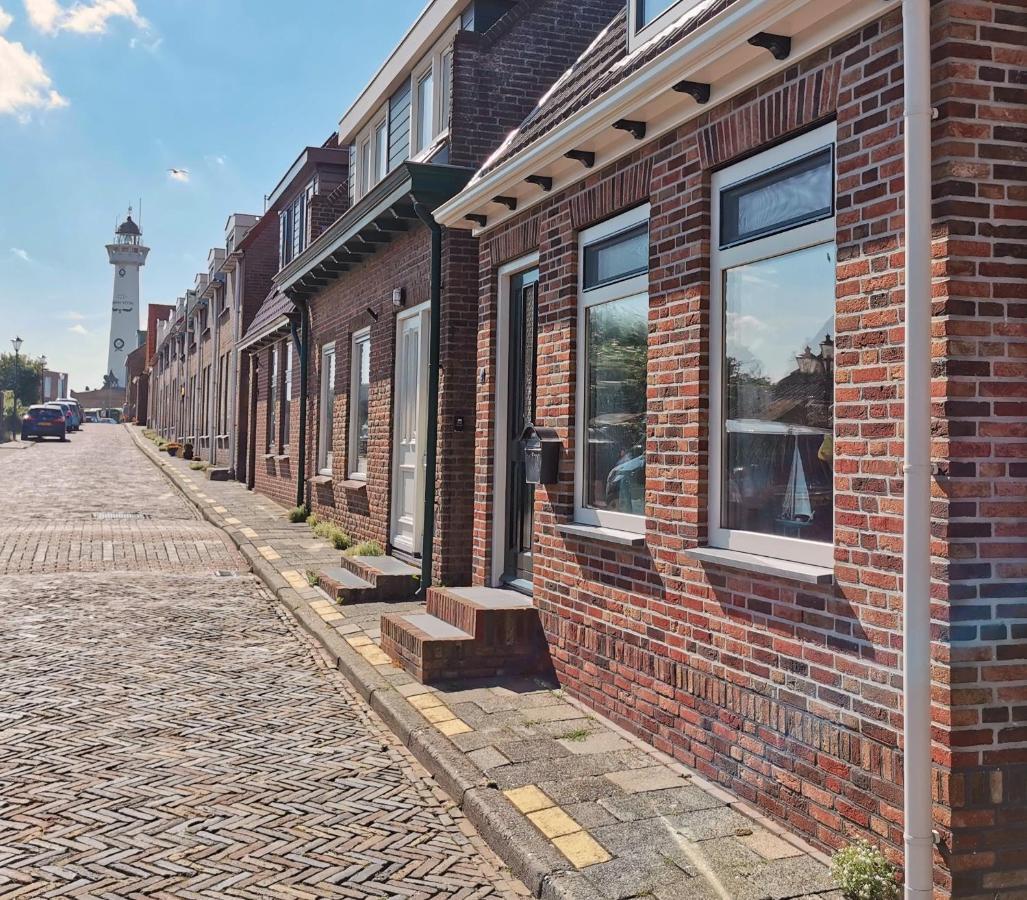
[530, 857]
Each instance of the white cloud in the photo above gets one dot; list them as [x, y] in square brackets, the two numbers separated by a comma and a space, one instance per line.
[24, 83]
[83, 17]
[79, 329]
[180, 175]
[5, 20]
[23, 255]
[218, 160]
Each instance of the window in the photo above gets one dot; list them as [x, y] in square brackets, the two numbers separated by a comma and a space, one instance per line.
[365, 167]
[272, 403]
[287, 397]
[325, 456]
[613, 329]
[381, 150]
[359, 402]
[425, 111]
[445, 89]
[650, 17]
[772, 353]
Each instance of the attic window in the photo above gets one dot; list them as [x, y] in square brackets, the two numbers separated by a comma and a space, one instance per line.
[649, 17]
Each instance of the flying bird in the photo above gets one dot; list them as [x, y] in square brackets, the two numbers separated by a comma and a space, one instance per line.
[179, 174]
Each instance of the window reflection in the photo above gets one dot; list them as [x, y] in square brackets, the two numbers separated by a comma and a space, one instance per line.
[617, 351]
[779, 394]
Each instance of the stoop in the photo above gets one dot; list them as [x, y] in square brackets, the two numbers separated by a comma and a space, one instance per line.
[364, 579]
[469, 632]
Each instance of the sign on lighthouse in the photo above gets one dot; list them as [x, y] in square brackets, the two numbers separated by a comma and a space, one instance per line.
[128, 255]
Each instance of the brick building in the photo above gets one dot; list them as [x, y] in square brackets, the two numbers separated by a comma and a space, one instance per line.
[363, 284]
[699, 236]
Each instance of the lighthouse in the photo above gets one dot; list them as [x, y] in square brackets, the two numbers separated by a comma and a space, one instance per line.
[127, 255]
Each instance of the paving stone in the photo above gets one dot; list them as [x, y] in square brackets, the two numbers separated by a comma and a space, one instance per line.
[528, 799]
[531, 751]
[664, 803]
[652, 778]
[553, 822]
[770, 846]
[601, 742]
[590, 815]
[171, 733]
[487, 758]
[578, 790]
[581, 849]
[707, 824]
[637, 875]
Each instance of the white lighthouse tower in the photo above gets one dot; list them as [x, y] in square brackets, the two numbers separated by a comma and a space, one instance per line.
[128, 255]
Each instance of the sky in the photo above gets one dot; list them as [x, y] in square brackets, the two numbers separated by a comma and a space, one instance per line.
[99, 99]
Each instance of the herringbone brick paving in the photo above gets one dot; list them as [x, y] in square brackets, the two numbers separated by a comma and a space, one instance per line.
[166, 732]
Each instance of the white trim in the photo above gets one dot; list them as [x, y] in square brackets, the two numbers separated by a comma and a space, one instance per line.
[325, 459]
[634, 287]
[813, 553]
[353, 451]
[717, 51]
[501, 389]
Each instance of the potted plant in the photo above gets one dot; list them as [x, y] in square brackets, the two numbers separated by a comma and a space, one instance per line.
[187, 451]
[173, 448]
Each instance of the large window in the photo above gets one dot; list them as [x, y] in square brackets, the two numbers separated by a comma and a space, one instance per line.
[613, 350]
[772, 354]
[325, 455]
[359, 402]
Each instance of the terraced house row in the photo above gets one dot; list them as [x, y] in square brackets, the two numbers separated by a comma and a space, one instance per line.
[675, 349]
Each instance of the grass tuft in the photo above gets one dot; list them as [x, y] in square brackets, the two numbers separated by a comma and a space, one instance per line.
[333, 534]
[367, 548]
[298, 514]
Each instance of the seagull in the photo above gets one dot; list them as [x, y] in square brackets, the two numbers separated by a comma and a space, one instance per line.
[179, 171]
[179, 175]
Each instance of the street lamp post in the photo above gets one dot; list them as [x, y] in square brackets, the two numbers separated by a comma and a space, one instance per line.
[42, 380]
[16, 343]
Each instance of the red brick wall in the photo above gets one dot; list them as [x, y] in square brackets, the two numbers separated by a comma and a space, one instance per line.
[499, 76]
[980, 352]
[791, 696]
[275, 467]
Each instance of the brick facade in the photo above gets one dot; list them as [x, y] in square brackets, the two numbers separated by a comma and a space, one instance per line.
[790, 695]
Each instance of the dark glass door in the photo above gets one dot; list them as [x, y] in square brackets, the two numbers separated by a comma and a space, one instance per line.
[520, 505]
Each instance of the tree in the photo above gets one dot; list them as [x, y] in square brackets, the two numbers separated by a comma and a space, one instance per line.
[29, 377]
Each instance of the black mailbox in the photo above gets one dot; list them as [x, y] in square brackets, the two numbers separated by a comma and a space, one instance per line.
[541, 455]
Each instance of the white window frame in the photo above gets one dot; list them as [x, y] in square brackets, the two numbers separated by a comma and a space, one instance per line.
[760, 248]
[639, 35]
[325, 457]
[418, 114]
[380, 160]
[359, 337]
[286, 427]
[626, 289]
[365, 163]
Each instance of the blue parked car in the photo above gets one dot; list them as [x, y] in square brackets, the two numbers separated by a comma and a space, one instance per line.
[70, 414]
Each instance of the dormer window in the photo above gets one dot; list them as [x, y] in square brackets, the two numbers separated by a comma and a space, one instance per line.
[647, 18]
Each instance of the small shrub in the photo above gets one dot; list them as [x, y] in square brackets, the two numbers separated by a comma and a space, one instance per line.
[312, 520]
[311, 577]
[298, 514]
[367, 548]
[863, 873]
[198, 465]
[335, 535]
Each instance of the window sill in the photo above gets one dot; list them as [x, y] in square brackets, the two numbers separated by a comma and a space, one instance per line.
[603, 535]
[763, 565]
[283, 457]
[355, 484]
[321, 480]
[270, 456]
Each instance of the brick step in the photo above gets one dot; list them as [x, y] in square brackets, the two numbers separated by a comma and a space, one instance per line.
[343, 586]
[467, 633]
[392, 579]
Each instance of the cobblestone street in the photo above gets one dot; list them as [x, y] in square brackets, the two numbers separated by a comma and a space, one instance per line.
[167, 731]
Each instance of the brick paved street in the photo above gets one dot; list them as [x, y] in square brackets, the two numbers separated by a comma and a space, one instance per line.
[166, 731]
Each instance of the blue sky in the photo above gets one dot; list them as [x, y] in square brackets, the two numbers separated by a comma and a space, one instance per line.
[99, 98]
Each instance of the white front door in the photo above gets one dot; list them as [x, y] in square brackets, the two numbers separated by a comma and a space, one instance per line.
[409, 428]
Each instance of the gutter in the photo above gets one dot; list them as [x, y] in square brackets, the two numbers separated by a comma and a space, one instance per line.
[432, 436]
[916, 525]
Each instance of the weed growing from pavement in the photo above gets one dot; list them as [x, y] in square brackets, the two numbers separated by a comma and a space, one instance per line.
[367, 548]
[578, 734]
[329, 532]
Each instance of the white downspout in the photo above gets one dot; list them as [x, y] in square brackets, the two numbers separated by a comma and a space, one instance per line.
[916, 533]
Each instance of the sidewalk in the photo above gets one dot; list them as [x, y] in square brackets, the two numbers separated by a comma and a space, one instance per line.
[576, 807]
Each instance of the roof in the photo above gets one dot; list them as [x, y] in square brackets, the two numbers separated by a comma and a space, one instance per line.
[275, 306]
[129, 227]
[603, 65]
